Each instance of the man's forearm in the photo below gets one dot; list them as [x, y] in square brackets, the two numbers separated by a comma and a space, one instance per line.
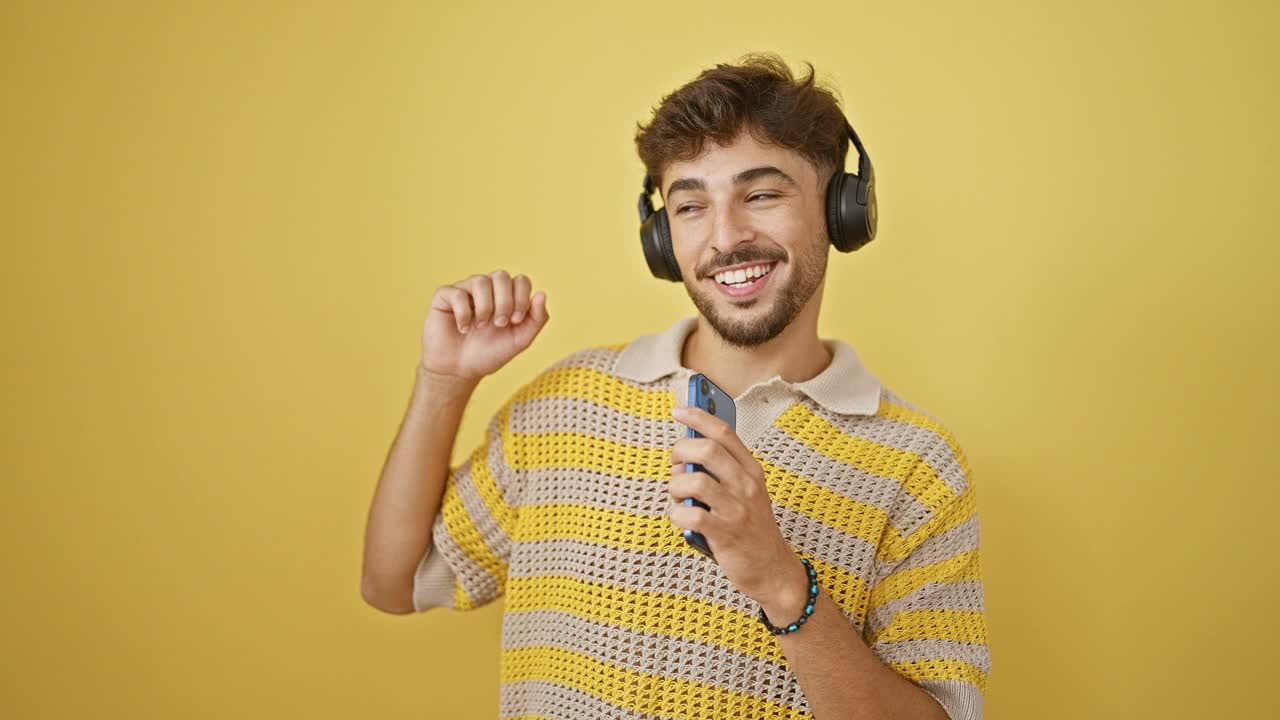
[409, 491]
[841, 677]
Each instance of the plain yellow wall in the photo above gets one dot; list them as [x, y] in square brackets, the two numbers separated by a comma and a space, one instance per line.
[223, 223]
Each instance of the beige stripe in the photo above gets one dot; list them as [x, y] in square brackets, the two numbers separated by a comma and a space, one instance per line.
[961, 700]
[671, 573]
[847, 552]
[935, 649]
[568, 414]
[591, 488]
[959, 595]
[668, 655]
[599, 357]
[432, 581]
[691, 574]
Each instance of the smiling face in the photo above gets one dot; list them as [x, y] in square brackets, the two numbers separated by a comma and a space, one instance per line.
[758, 210]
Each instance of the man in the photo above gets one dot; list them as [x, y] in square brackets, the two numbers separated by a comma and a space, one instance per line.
[840, 515]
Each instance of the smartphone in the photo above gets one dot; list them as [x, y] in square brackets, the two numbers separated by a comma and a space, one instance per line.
[706, 395]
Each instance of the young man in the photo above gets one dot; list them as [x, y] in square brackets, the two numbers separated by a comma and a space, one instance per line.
[839, 513]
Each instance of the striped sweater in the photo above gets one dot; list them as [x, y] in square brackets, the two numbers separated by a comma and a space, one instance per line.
[562, 510]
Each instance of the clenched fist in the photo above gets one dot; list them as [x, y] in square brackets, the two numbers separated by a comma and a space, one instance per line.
[476, 325]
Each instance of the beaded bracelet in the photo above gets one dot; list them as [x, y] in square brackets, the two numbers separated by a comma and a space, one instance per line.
[808, 608]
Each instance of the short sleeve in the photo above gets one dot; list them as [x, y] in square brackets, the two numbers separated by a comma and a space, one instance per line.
[466, 566]
[926, 617]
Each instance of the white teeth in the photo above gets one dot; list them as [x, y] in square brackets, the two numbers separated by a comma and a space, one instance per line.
[735, 277]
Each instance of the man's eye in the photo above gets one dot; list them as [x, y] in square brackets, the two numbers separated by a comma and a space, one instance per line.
[761, 196]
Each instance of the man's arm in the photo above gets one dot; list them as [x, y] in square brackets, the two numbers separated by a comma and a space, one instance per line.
[473, 328]
[840, 676]
[407, 498]
[925, 613]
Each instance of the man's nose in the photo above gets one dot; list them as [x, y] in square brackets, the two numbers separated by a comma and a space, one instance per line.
[732, 226]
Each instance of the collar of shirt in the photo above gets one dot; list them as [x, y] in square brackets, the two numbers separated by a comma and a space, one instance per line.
[844, 386]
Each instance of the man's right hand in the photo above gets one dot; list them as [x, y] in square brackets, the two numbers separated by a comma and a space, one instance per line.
[476, 325]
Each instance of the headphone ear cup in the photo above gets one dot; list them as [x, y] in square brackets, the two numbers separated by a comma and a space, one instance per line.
[834, 189]
[850, 223]
[655, 239]
[871, 207]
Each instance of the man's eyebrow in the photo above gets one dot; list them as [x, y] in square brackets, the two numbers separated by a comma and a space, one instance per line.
[745, 176]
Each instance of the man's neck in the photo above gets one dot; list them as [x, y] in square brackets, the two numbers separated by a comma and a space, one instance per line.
[796, 354]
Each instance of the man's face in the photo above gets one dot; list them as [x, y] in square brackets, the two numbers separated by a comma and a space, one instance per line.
[744, 206]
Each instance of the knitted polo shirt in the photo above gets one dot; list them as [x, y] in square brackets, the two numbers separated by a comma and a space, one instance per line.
[562, 510]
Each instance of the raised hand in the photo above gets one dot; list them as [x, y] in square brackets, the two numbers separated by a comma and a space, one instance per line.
[476, 325]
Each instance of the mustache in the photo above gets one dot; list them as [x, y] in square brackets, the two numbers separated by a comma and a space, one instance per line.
[739, 257]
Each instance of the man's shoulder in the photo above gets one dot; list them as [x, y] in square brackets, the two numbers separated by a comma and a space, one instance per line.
[924, 434]
[924, 449]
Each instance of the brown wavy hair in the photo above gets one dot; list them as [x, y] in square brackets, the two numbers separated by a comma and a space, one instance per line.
[759, 93]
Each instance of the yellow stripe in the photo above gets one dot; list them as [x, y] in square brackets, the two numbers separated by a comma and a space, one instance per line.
[648, 611]
[939, 624]
[602, 388]
[486, 484]
[576, 450]
[949, 669]
[615, 528]
[848, 515]
[637, 691]
[897, 547]
[650, 533]
[461, 601]
[917, 477]
[467, 537]
[961, 566]
[846, 589]
[894, 411]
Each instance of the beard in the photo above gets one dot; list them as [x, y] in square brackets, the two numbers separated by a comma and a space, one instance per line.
[744, 325]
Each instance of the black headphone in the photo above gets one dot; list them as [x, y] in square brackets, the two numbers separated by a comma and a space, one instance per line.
[851, 215]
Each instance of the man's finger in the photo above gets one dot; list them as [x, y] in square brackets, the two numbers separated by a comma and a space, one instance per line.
[720, 431]
[520, 288]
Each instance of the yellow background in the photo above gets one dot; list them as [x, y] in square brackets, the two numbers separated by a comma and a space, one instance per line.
[223, 222]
